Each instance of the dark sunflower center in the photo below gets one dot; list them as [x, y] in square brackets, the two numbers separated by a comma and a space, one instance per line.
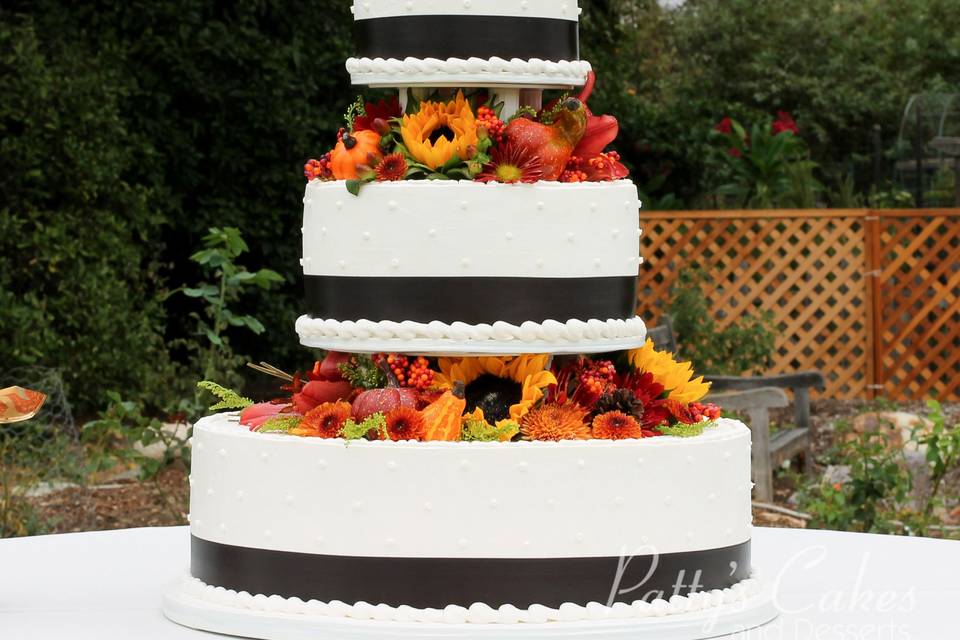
[494, 395]
[443, 131]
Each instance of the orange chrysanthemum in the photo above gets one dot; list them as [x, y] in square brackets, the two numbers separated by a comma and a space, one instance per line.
[324, 421]
[555, 422]
[616, 425]
[404, 423]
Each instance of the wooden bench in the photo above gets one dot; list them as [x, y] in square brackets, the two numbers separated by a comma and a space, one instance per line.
[755, 396]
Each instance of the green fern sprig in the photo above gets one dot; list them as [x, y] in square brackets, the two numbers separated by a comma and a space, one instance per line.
[229, 399]
[357, 108]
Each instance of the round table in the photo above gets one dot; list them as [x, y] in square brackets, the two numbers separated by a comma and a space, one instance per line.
[827, 585]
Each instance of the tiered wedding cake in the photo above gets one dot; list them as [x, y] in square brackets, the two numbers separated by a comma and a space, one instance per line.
[532, 466]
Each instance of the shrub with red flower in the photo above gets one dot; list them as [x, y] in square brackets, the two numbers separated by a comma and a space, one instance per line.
[784, 123]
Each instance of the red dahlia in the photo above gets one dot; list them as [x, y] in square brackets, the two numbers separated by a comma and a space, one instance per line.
[511, 163]
[392, 167]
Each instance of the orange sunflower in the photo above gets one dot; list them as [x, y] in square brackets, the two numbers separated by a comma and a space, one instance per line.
[439, 131]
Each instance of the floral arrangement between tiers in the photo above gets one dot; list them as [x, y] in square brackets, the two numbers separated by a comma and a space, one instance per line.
[631, 394]
[462, 137]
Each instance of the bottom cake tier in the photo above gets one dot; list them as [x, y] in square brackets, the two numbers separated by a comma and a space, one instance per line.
[432, 524]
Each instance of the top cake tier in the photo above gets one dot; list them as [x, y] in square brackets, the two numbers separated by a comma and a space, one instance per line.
[462, 43]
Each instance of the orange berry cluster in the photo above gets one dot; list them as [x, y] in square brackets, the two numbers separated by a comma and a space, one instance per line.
[487, 119]
[415, 374]
[573, 172]
[701, 410]
[602, 161]
[318, 168]
[598, 377]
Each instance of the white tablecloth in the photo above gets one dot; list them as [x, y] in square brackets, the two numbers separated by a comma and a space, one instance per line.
[828, 585]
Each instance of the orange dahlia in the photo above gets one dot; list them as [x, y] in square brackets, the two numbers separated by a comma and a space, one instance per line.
[616, 425]
[324, 421]
[404, 423]
[555, 422]
[393, 167]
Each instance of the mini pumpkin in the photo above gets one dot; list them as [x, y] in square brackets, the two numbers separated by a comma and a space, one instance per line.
[383, 401]
[357, 149]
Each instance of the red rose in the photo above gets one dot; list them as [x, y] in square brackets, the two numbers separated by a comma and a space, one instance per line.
[785, 122]
[725, 126]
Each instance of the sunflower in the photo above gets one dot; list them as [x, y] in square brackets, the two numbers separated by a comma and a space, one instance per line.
[676, 377]
[324, 421]
[392, 167]
[511, 163]
[404, 423]
[554, 421]
[440, 131]
[502, 387]
[616, 425]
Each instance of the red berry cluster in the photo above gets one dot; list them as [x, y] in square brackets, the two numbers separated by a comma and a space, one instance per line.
[319, 169]
[597, 377]
[416, 374]
[487, 119]
[707, 410]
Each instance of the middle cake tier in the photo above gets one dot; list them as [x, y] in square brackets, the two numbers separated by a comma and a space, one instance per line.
[466, 267]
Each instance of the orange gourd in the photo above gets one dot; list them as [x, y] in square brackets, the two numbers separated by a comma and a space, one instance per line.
[358, 149]
[443, 416]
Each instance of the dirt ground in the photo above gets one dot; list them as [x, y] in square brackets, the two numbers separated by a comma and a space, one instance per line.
[165, 500]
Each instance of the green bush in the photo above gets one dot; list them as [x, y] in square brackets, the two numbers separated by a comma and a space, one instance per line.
[744, 346]
[839, 67]
[126, 131]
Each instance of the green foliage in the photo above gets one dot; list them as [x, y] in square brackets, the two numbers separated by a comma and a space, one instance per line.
[227, 282]
[764, 169]
[483, 431]
[681, 430]
[229, 399]
[877, 496]
[78, 223]
[942, 444]
[373, 424]
[363, 373]
[839, 67]
[744, 346]
[280, 424]
[126, 131]
[110, 439]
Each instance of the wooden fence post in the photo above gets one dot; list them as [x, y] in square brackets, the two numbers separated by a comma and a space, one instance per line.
[873, 229]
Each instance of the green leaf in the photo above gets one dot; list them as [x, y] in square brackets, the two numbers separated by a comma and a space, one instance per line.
[213, 337]
[681, 430]
[353, 187]
[201, 291]
[228, 399]
[280, 424]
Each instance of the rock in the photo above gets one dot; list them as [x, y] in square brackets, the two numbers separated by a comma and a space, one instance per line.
[836, 474]
[897, 427]
[156, 450]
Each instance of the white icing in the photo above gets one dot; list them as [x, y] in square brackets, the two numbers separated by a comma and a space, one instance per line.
[558, 9]
[477, 613]
[429, 228]
[460, 72]
[547, 333]
[427, 501]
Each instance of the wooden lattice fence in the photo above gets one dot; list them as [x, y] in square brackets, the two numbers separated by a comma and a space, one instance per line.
[869, 297]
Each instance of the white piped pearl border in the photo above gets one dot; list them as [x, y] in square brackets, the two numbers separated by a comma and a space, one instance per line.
[477, 613]
[550, 336]
[394, 72]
